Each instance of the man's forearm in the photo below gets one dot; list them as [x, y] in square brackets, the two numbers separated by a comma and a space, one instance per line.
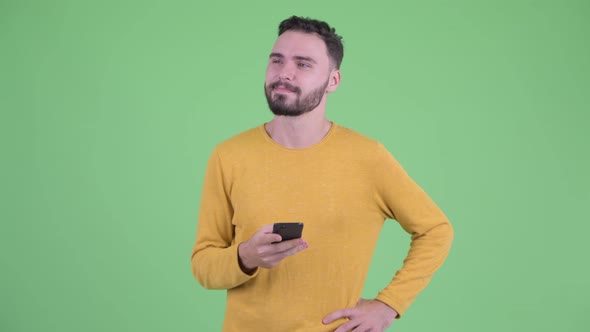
[218, 268]
[427, 253]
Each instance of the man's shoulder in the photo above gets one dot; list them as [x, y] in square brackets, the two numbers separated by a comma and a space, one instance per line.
[248, 136]
[243, 142]
[355, 139]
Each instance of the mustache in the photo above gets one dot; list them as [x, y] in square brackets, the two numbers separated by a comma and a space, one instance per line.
[284, 85]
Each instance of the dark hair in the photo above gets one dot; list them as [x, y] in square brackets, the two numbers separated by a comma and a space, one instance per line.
[328, 34]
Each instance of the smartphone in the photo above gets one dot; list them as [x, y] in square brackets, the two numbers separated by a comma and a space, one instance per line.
[288, 230]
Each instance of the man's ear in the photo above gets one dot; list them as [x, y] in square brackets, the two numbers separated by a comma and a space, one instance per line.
[334, 80]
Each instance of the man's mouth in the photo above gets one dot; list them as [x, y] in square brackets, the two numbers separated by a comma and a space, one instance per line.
[283, 89]
[280, 87]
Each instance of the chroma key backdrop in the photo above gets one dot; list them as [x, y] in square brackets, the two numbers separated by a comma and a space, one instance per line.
[110, 109]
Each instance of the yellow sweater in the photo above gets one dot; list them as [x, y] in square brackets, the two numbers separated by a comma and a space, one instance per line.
[342, 189]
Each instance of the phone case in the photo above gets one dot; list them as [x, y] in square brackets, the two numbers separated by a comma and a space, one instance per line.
[288, 230]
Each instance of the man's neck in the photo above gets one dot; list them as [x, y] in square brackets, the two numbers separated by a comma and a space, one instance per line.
[298, 132]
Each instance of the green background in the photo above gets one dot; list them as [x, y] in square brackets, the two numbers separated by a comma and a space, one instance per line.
[109, 110]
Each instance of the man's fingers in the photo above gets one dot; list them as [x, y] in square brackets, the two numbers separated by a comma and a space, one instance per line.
[268, 238]
[289, 244]
[279, 256]
[351, 325]
[348, 326]
[290, 247]
[265, 235]
[266, 228]
[363, 328]
[337, 315]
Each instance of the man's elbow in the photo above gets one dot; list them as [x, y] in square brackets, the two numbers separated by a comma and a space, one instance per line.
[198, 273]
[445, 234]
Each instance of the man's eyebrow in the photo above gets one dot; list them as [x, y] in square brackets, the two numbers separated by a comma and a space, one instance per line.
[305, 58]
[297, 57]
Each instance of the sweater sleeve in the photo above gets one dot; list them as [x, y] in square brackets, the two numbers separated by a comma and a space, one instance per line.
[400, 198]
[215, 255]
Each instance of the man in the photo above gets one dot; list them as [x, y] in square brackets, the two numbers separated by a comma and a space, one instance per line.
[300, 167]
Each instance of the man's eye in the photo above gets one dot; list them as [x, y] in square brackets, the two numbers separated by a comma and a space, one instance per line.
[303, 65]
[276, 61]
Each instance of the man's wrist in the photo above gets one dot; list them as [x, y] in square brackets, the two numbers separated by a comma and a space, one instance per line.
[395, 313]
[243, 266]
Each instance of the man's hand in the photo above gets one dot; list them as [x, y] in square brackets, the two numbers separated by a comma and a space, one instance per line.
[367, 315]
[260, 251]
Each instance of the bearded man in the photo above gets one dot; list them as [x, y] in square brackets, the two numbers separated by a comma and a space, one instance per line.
[340, 184]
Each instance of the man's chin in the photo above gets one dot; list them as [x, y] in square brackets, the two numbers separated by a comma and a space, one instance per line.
[284, 98]
[285, 112]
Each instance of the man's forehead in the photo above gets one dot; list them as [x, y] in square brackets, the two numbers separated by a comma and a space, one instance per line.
[296, 43]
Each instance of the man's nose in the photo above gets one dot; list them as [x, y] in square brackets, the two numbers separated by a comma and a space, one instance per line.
[287, 72]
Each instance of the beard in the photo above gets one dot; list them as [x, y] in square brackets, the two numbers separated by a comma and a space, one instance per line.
[279, 105]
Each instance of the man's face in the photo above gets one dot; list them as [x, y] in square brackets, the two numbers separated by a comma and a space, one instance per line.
[297, 74]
